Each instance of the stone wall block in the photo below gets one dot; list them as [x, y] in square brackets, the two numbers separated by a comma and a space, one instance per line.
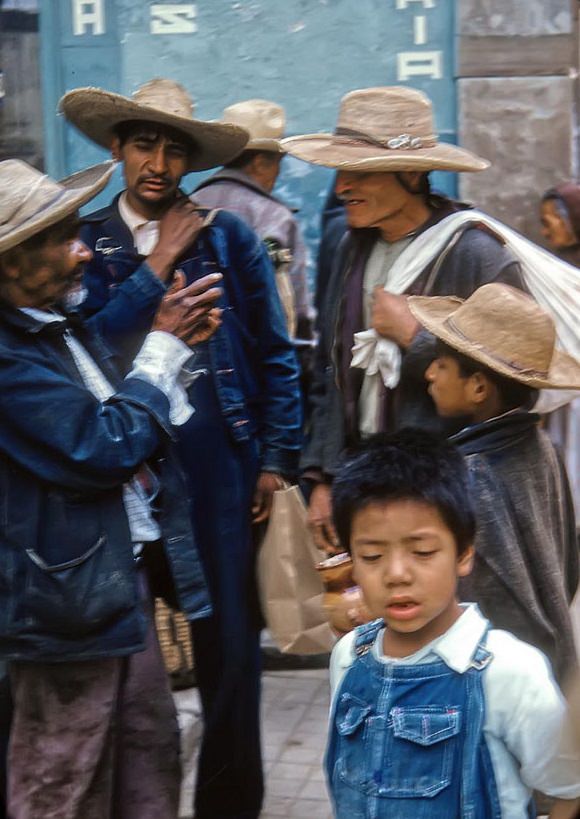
[524, 126]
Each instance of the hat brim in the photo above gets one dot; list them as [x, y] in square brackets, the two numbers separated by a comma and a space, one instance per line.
[432, 312]
[96, 113]
[273, 146]
[79, 189]
[352, 155]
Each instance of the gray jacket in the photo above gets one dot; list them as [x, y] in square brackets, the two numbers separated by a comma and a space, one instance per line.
[475, 259]
[270, 218]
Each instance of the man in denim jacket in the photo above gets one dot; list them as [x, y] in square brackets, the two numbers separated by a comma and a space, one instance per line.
[81, 455]
[245, 434]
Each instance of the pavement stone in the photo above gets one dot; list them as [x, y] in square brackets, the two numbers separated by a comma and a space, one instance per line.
[294, 721]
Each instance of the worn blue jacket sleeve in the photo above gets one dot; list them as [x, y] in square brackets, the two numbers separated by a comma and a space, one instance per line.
[278, 411]
[62, 434]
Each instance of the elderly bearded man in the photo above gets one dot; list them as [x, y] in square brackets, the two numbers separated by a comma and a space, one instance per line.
[94, 731]
[245, 434]
[383, 147]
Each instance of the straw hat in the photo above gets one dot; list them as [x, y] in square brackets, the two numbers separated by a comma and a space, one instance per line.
[503, 329]
[30, 201]
[96, 113]
[265, 121]
[384, 129]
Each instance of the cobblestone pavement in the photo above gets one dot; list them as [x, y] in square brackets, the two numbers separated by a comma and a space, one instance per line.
[294, 713]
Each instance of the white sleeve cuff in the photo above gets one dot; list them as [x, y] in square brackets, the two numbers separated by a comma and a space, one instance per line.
[159, 362]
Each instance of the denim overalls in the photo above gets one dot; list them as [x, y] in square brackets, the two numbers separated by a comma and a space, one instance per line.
[406, 741]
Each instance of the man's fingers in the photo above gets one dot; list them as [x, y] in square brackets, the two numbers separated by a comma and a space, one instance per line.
[200, 286]
[177, 284]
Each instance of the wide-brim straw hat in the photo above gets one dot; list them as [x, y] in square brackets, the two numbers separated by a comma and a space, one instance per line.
[265, 121]
[505, 330]
[30, 201]
[96, 113]
[384, 129]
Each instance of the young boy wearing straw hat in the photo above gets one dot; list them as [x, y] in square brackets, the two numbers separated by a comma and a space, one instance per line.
[383, 148]
[244, 186]
[494, 352]
[94, 730]
[245, 435]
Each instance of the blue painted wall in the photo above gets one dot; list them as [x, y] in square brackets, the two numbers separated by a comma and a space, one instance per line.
[304, 54]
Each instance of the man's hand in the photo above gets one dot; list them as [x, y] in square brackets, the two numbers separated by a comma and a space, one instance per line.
[268, 483]
[391, 317]
[320, 519]
[565, 809]
[178, 229]
[188, 312]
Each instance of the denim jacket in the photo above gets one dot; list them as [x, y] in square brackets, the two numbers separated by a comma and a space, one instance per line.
[252, 360]
[67, 574]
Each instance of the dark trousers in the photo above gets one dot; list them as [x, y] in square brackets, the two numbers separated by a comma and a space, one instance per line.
[222, 476]
[5, 721]
[95, 739]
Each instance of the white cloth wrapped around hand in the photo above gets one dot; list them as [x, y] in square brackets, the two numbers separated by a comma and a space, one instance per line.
[552, 282]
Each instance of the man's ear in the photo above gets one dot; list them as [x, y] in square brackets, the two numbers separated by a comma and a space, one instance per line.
[465, 562]
[10, 263]
[479, 387]
[116, 149]
[412, 179]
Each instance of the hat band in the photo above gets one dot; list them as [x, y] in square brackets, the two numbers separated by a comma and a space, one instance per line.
[506, 362]
[402, 142]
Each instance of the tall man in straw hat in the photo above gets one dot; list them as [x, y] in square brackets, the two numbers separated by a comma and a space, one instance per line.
[494, 352]
[94, 731]
[244, 186]
[245, 433]
[383, 148]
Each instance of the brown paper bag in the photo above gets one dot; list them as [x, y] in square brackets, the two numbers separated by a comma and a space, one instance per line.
[290, 587]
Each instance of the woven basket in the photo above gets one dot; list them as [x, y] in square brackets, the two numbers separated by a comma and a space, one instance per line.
[175, 639]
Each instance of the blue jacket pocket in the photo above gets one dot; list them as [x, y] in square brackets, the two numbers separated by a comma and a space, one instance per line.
[77, 597]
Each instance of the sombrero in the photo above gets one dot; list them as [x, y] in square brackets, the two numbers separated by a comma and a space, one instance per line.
[30, 201]
[264, 120]
[384, 129]
[96, 113]
[503, 329]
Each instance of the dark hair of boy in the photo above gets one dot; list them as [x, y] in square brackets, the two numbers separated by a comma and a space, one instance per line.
[512, 394]
[409, 465]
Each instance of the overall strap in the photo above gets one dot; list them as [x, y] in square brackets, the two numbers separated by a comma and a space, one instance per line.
[366, 635]
[482, 656]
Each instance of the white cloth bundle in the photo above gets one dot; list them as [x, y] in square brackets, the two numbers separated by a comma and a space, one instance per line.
[554, 284]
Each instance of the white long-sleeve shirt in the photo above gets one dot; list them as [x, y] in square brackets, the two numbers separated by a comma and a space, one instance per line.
[525, 726]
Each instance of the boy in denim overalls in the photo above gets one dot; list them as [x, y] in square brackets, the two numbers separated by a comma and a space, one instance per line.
[434, 713]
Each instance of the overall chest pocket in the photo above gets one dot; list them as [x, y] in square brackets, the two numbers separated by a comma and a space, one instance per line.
[350, 722]
[421, 746]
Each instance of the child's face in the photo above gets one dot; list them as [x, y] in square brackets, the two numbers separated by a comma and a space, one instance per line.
[451, 392]
[405, 561]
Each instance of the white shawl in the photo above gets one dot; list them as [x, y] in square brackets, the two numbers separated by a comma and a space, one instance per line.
[553, 283]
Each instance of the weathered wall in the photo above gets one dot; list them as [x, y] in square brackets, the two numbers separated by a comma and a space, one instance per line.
[20, 106]
[304, 54]
[517, 62]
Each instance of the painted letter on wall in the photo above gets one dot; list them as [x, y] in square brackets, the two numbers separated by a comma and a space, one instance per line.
[173, 18]
[88, 17]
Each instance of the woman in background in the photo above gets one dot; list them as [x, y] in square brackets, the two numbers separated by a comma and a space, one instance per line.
[560, 218]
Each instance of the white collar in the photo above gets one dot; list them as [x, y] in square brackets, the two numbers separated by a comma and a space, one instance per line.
[457, 646]
[129, 215]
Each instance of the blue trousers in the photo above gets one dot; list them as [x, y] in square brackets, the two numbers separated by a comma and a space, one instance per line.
[222, 475]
